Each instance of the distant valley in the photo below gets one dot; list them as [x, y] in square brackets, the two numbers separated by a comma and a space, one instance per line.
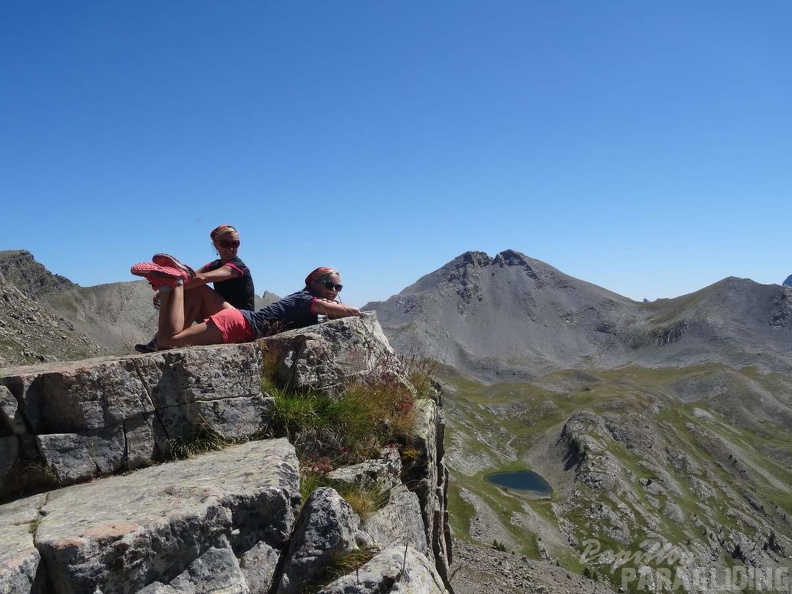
[664, 428]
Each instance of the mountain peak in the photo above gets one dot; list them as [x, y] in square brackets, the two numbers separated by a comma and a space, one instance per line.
[511, 258]
[470, 258]
[21, 269]
[513, 316]
[481, 259]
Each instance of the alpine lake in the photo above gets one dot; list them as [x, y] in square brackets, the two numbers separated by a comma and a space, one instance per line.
[523, 481]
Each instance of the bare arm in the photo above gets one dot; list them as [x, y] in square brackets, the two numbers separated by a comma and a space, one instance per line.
[212, 276]
[333, 309]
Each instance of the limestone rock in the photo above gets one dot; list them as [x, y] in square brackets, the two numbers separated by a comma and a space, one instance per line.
[327, 527]
[216, 570]
[322, 358]
[397, 569]
[383, 473]
[398, 522]
[117, 533]
[19, 559]
[96, 417]
[218, 521]
[428, 478]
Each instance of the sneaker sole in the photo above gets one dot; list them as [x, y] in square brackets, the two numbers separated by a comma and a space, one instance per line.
[149, 269]
[157, 275]
[169, 261]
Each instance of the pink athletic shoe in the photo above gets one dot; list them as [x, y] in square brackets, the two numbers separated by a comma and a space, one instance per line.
[171, 261]
[159, 276]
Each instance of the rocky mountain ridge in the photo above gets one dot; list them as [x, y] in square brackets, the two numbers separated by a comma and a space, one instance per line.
[30, 333]
[657, 424]
[512, 317]
[19, 268]
[508, 317]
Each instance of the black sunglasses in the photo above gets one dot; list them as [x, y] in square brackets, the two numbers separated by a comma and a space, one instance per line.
[228, 244]
[331, 285]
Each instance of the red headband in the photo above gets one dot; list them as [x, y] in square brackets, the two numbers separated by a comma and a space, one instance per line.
[318, 272]
[216, 231]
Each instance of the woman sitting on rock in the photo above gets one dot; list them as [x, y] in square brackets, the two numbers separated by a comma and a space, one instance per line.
[228, 274]
[223, 323]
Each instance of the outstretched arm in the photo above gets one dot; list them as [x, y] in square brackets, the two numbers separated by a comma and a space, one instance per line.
[333, 309]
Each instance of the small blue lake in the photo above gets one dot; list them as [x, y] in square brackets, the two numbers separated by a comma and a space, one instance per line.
[521, 480]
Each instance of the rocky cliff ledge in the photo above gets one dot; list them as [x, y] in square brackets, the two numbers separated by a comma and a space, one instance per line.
[89, 506]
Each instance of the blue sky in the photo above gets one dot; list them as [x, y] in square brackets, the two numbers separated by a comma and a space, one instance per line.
[645, 147]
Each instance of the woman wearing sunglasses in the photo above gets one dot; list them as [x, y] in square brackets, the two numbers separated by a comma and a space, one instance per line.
[226, 324]
[228, 274]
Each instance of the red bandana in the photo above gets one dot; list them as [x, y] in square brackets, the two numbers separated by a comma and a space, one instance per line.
[318, 272]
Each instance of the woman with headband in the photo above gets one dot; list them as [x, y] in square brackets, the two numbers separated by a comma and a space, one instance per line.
[228, 274]
[226, 324]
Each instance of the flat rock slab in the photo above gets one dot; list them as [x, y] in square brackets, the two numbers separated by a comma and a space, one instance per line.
[122, 533]
[19, 559]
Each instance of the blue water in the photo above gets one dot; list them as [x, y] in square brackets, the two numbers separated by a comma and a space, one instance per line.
[520, 480]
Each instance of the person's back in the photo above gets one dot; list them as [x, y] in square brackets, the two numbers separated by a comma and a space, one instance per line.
[290, 313]
[303, 308]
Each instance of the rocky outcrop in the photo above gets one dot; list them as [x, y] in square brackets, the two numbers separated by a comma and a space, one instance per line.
[31, 334]
[124, 533]
[19, 268]
[328, 527]
[77, 520]
[86, 419]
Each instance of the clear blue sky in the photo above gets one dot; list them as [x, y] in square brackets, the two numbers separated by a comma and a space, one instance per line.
[645, 147]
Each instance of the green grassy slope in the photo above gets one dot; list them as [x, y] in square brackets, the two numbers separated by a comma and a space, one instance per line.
[694, 462]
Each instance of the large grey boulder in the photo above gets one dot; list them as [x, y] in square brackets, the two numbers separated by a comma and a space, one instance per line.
[382, 473]
[169, 523]
[324, 357]
[96, 417]
[398, 520]
[427, 477]
[216, 570]
[81, 420]
[326, 528]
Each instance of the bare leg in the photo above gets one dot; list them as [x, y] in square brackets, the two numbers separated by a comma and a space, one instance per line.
[171, 313]
[200, 303]
[195, 335]
[177, 311]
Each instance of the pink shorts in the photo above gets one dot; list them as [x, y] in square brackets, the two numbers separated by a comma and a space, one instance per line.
[232, 325]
